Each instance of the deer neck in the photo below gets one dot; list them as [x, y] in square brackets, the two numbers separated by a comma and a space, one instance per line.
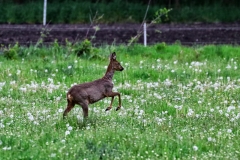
[109, 73]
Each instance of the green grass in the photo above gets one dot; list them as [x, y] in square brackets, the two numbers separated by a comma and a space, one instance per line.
[178, 103]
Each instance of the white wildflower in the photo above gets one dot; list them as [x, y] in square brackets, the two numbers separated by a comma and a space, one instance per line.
[190, 112]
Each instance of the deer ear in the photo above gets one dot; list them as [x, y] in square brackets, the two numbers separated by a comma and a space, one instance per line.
[113, 56]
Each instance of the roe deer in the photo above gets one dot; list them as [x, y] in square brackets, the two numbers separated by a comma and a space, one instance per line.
[91, 92]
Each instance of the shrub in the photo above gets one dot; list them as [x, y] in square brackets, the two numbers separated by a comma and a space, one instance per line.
[12, 52]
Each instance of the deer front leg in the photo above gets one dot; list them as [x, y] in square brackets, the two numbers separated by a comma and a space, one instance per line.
[119, 101]
[110, 107]
[113, 94]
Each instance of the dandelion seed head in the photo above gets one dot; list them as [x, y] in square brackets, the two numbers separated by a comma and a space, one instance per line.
[2, 125]
[195, 148]
[53, 155]
[209, 139]
[60, 110]
[67, 132]
[18, 72]
[228, 66]
[229, 130]
[7, 148]
[70, 128]
[88, 127]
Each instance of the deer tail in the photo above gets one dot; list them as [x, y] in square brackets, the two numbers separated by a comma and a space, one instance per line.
[69, 98]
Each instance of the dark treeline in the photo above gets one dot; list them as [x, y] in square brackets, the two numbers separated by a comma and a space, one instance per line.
[169, 3]
[119, 11]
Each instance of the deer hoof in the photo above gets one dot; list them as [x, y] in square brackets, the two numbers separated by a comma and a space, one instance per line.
[108, 108]
[118, 108]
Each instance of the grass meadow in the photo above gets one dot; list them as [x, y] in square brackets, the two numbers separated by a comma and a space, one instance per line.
[178, 103]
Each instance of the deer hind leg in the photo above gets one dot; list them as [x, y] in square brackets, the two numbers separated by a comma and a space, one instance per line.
[70, 105]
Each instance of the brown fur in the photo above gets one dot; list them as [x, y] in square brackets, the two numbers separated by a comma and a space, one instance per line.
[91, 92]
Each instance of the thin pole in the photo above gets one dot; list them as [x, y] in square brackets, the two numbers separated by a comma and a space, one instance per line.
[145, 34]
[44, 12]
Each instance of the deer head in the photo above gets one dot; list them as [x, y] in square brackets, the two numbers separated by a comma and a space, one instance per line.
[116, 66]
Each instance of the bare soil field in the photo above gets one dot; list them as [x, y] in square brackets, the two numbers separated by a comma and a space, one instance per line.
[187, 34]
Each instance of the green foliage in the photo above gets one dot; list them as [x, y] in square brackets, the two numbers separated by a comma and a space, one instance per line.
[83, 48]
[160, 46]
[161, 15]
